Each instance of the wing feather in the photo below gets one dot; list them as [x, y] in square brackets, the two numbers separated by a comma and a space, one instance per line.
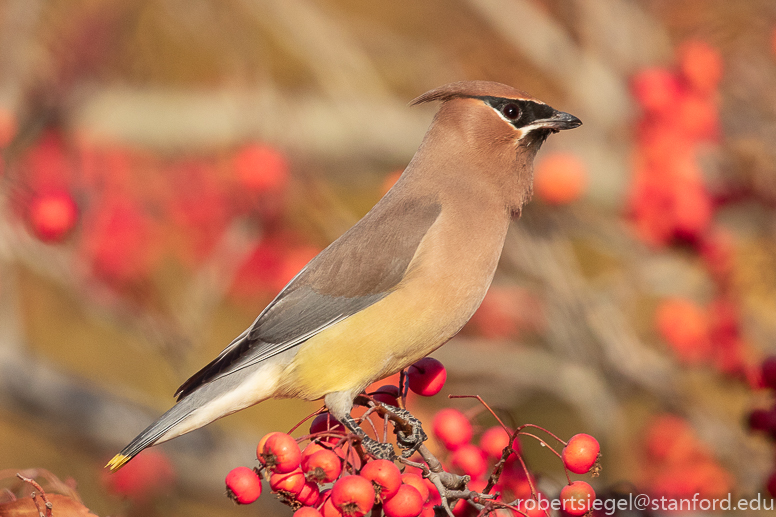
[355, 271]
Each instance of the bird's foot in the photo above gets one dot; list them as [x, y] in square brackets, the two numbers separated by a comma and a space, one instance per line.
[408, 442]
[378, 450]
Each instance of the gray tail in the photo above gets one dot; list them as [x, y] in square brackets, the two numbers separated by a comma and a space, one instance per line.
[152, 433]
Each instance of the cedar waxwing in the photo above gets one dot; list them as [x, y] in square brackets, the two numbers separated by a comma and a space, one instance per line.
[397, 285]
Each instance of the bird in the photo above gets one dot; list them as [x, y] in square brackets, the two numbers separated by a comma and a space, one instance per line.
[398, 284]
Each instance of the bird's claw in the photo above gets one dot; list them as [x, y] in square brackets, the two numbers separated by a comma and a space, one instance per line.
[409, 442]
[378, 450]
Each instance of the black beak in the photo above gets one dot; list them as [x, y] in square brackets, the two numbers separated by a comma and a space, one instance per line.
[558, 121]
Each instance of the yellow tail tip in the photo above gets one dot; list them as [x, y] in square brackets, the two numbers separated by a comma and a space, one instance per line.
[118, 461]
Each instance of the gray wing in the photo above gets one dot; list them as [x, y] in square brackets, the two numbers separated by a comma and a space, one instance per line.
[354, 272]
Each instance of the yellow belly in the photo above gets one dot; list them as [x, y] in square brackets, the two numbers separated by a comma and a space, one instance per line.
[376, 342]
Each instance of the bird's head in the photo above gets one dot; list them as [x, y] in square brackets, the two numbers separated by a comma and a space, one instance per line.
[497, 129]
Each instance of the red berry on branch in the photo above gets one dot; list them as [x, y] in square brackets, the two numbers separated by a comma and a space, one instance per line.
[407, 502]
[581, 453]
[577, 498]
[309, 494]
[308, 451]
[494, 440]
[52, 215]
[280, 453]
[325, 423]
[452, 428]
[353, 496]
[388, 394]
[427, 377]
[462, 508]
[470, 459]
[289, 483]
[384, 476]
[243, 485]
[417, 482]
[329, 510]
[307, 511]
[427, 511]
[323, 466]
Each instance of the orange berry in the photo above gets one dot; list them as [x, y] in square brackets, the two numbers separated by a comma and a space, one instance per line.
[560, 179]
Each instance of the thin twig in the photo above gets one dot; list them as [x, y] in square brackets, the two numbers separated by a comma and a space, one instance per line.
[486, 407]
[39, 488]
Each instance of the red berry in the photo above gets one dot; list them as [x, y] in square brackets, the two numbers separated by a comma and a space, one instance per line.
[323, 466]
[52, 215]
[771, 485]
[433, 493]
[656, 90]
[307, 511]
[470, 459]
[581, 453]
[291, 482]
[494, 440]
[427, 377]
[243, 485]
[280, 453]
[309, 494]
[308, 451]
[325, 423]
[685, 326]
[407, 502]
[462, 508]
[701, 65]
[428, 511]
[577, 498]
[769, 372]
[329, 510]
[534, 507]
[260, 168]
[148, 475]
[560, 179]
[353, 496]
[452, 428]
[385, 478]
[759, 420]
[260, 446]
[416, 481]
[387, 394]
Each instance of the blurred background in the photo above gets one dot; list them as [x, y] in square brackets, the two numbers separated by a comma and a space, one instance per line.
[168, 165]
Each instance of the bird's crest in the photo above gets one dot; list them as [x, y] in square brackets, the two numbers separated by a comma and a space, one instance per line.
[472, 89]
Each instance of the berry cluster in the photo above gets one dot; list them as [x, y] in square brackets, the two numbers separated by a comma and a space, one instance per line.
[678, 464]
[764, 420]
[332, 476]
[669, 198]
[705, 335]
[126, 211]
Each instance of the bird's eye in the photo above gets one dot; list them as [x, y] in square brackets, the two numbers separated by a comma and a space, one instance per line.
[511, 111]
